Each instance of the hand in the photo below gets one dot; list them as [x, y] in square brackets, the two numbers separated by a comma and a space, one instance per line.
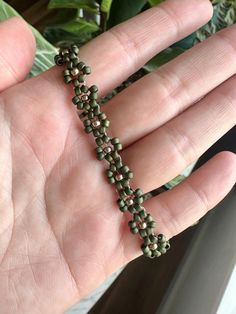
[61, 232]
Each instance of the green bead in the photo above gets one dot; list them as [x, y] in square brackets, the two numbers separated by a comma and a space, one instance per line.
[72, 56]
[106, 123]
[66, 72]
[143, 233]
[76, 83]
[162, 250]
[118, 163]
[128, 191]
[86, 70]
[124, 169]
[81, 78]
[80, 65]
[149, 218]
[132, 224]
[153, 238]
[112, 167]
[123, 209]
[93, 89]
[99, 149]
[75, 100]
[161, 238]
[88, 129]
[90, 115]
[87, 122]
[67, 79]
[131, 209]
[93, 103]
[77, 90]
[108, 157]
[100, 156]
[122, 194]
[119, 185]
[102, 116]
[86, 106]
[137, 218]
[130, 175]
[109, 173]
[96, 110]
[111, 180]
[80, 105]
[121, 203]
[137, 207]
[75, 62]
[138, 200]
[145, 248]
[142, 213]
[58, 60]
[75, 48]
[167, 247]
[115, 140]
[134, 230]
[99, 141]
[156, 253]
[118, 146]
[146, 240]
[93, 96]
[70, 65]
[138, 192]
[84, 88]
[152, 224]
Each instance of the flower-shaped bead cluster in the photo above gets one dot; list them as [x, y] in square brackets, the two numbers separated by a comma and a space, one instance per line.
[155, 245]
[96, 123]
[119, 175]
[142, 223]
[108, 148]
[131, 200]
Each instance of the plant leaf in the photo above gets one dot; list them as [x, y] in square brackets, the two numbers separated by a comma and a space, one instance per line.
[154, 2]
[162, 58]
[105, 7]
[89, 5]
[44, 57]
[122, 10]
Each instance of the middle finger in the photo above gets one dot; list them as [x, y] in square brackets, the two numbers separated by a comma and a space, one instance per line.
[159, 96]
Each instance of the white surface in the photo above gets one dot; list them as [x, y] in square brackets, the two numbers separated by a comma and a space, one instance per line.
[228, 302]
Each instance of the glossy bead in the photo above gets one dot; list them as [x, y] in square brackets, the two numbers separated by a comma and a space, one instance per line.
[107, 149]
[80, 65]
[96, 123]
[93, 89]
[81, 78]
[86, 70]
[74, 72]
[119, 177]
[153, 246]
[67, 79]
[84, 97]
[58, 60]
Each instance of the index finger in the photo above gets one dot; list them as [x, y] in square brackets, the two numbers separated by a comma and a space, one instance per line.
[122, 50]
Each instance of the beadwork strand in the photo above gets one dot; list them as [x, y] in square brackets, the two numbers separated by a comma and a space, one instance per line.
[96, 122]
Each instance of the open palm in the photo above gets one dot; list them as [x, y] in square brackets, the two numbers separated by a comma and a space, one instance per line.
[61, 233]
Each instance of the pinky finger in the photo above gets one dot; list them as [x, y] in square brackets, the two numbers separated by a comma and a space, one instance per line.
[179, 208]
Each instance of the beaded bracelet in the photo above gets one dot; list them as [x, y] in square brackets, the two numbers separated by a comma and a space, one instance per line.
[95, 121]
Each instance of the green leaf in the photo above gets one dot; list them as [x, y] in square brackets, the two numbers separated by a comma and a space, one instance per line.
[89, 5]
[122, 10]
[155, 2]
[78, 30]
[162, 58]
[79, 26]
[44, 57]
[106, 7]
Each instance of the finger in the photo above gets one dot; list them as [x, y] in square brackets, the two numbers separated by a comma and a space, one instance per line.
[164, 153]
[119, 52]
[17, 48]
[163, 94]
[180, 207]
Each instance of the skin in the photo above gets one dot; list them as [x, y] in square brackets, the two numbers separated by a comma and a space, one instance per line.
[61, 233]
